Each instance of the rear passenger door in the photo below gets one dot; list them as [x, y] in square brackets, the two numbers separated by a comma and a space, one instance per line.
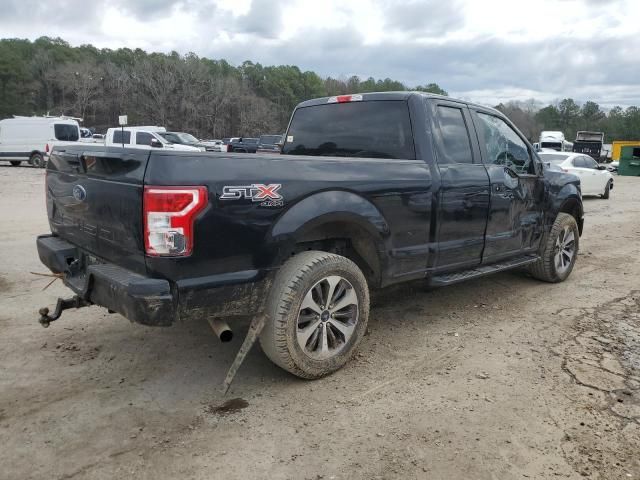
[515, 223]
[464, 190]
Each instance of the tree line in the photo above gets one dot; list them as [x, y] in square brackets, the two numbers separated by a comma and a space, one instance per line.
[214, 99]
[209, 98]
[569, 117]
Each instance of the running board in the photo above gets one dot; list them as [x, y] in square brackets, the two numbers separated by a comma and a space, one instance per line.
[480, 271]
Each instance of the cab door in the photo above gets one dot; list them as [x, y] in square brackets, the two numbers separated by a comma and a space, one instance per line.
[464, 187]
[515, 223]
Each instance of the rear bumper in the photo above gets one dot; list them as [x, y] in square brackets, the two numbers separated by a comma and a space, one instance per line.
[153, 301]
[140, 299]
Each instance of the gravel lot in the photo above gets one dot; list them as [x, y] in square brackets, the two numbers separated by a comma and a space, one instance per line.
[499, 378]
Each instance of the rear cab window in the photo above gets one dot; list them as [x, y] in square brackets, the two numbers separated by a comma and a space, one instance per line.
[66, 132]
[368, 129]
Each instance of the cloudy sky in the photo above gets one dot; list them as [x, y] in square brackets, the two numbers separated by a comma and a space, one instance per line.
[484, 50]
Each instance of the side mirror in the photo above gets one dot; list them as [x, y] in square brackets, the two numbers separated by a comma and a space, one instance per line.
[602, 167]
[155, 143]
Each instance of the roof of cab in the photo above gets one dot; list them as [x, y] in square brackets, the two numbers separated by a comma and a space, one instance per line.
[400, 95]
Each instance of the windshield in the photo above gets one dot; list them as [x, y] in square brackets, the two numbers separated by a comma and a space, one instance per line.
[270, 139]
[374, 129]
[66, 132]
[179, 137]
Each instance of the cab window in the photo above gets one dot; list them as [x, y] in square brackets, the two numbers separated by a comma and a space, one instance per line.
[503, 146]
[121, 137]
[143, 138]
[452, 140]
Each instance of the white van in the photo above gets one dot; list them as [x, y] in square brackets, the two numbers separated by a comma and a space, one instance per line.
[145, 137]
[32, 138]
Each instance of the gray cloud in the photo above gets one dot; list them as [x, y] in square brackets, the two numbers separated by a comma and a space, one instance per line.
[264, 19]
[423, 17]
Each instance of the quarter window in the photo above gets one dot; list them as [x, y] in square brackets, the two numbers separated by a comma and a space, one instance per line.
[503, 145]
[453, 140]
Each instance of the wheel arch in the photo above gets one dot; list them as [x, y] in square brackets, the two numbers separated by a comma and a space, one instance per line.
[338, 222]
[573, 206]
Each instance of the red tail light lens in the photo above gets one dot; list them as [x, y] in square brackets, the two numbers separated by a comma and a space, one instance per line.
[46, 148]
[169, 214]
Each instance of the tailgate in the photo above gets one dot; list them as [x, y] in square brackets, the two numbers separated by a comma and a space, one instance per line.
[94, 200]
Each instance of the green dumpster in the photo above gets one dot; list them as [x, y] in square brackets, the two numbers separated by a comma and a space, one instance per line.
[630, 161]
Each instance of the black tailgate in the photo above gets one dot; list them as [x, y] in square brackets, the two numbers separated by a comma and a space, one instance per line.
[94, 200]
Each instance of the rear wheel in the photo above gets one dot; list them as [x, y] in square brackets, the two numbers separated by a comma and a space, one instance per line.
[560, 251]
[317, 310]
[607, 191]
[37, 160]
[16, 163]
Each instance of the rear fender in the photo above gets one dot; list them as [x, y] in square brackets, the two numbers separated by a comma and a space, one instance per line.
[325, 208]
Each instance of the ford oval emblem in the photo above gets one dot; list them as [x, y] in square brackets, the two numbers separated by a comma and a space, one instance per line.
[79, 193]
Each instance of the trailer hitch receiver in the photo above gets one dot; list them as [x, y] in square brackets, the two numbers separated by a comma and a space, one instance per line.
[62, 305]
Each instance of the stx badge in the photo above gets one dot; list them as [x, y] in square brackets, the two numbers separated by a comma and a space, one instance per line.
[266, 195]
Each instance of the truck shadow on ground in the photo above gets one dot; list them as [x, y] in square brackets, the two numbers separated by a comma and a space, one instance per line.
[189, 359]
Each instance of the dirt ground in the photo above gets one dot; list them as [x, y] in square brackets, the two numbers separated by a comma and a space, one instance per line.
[500, 378]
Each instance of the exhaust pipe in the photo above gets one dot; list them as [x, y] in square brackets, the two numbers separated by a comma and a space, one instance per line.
[221, 329]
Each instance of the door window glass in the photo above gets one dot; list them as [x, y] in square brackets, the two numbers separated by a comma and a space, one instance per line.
[590, 163]
[503, 145]
[578, 162]
[65, 132]
[143, 138]
[453, 140]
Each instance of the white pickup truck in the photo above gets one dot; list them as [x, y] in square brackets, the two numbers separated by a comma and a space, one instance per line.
[143, 137]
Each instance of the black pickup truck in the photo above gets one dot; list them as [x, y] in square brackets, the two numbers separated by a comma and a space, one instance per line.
[370, 190]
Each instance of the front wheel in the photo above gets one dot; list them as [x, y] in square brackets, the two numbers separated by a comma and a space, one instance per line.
[318, 309]
[607, 191]
[559, 252]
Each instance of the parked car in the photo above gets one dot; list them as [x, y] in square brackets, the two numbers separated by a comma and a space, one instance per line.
[227, 141]
[244, 145]
[595, 179]
[613, 166]
[359, 199]
[213, 145]
[182, 138]
[269, 144]
[30, 139]
[144, 138]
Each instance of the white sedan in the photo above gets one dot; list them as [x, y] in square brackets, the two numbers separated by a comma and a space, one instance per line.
[594, 178]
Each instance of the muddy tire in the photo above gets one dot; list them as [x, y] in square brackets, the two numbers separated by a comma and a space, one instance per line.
[318, 309]
[560, 251]
[37, 160]
[607, 190]
[15, 163]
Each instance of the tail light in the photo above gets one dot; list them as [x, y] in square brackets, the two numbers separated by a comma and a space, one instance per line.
[46, 148]
[228, 147]
[169, 214]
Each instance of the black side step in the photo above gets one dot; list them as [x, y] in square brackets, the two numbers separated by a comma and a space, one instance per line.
[480, 271]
